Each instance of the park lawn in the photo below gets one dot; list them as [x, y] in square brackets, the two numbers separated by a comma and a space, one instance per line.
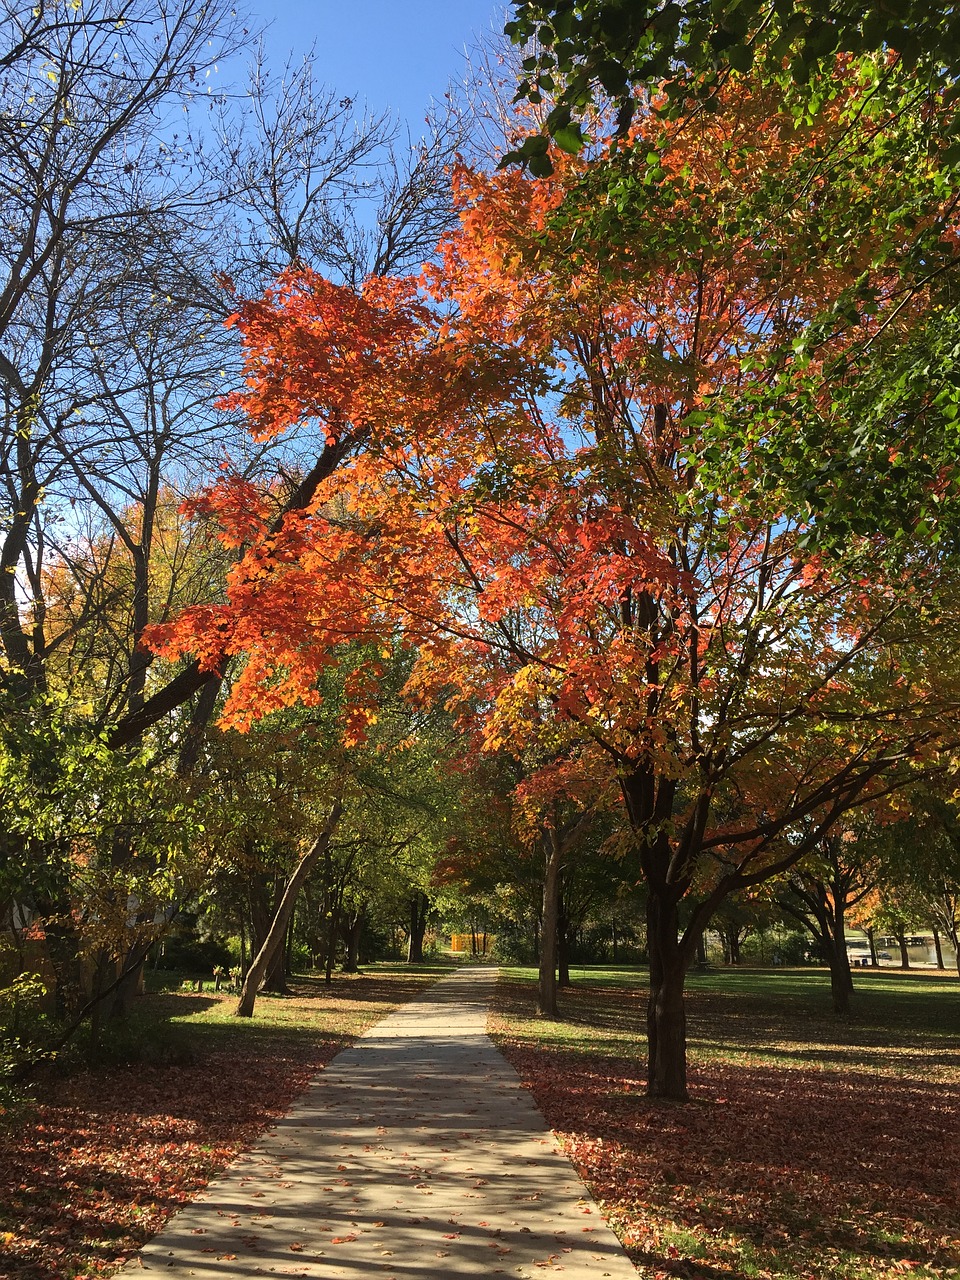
[815, 1148]
[103, 1156]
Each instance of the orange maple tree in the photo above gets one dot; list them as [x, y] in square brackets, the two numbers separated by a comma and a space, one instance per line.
[525, 495]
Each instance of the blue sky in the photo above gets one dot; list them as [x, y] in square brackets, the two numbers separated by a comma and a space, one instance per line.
[395, 54]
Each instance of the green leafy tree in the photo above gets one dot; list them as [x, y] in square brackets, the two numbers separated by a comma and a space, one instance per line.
[583, 53]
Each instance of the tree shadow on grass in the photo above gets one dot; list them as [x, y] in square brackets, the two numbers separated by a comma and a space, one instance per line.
[790, 1170]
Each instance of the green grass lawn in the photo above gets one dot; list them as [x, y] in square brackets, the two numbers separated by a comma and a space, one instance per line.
[815, 1147]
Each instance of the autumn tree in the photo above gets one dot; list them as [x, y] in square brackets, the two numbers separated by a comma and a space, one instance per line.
[841, 873]
[125, 229]
[543, 480]
[920, 881]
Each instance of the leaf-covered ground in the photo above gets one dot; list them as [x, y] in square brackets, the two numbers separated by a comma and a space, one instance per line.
[105, 1155]
[815, 1149]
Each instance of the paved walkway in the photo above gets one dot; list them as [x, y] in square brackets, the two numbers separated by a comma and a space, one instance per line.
[415, 1154]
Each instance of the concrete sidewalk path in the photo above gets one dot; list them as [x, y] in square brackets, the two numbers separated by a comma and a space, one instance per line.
[416, 1153]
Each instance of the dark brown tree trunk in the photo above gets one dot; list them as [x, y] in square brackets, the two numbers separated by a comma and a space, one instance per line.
[333, 935]
[938, 948]
[563, 946]
[419, 906]
[351, 939]
[275, 979]
[874, 958]
[666, 1017]
[547, 985]
[902, 944]
[130, 986]
[275, 936]
[563, 957]
[841, 979]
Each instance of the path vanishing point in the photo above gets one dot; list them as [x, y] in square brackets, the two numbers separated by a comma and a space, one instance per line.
[416, 1153]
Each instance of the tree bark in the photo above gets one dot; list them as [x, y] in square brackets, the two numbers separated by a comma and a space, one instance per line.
[419, 905]
[351, 938]
[666, 1017]
[265, 896]
[563, 946]
[333, 936]
[841, 979]
[938, 948]
[547, 986]
[902, 944]
[277, 932]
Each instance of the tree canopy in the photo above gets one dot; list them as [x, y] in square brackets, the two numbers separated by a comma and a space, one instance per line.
[582, 52]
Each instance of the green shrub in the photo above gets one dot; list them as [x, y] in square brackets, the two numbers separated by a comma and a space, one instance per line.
[193, 955]
[26, 1033]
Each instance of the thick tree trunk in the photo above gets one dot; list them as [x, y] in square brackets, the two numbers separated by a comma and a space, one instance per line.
[666, 1017]
[902, 944]
[547, 986]
[841, 979]
[277, 932]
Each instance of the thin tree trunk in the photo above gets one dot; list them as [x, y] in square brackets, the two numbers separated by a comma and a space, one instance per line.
[874, 958]
[275, 936]
[938, 948]
[333, 935]
[352, 941]
[419, 905]
[563, 947]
